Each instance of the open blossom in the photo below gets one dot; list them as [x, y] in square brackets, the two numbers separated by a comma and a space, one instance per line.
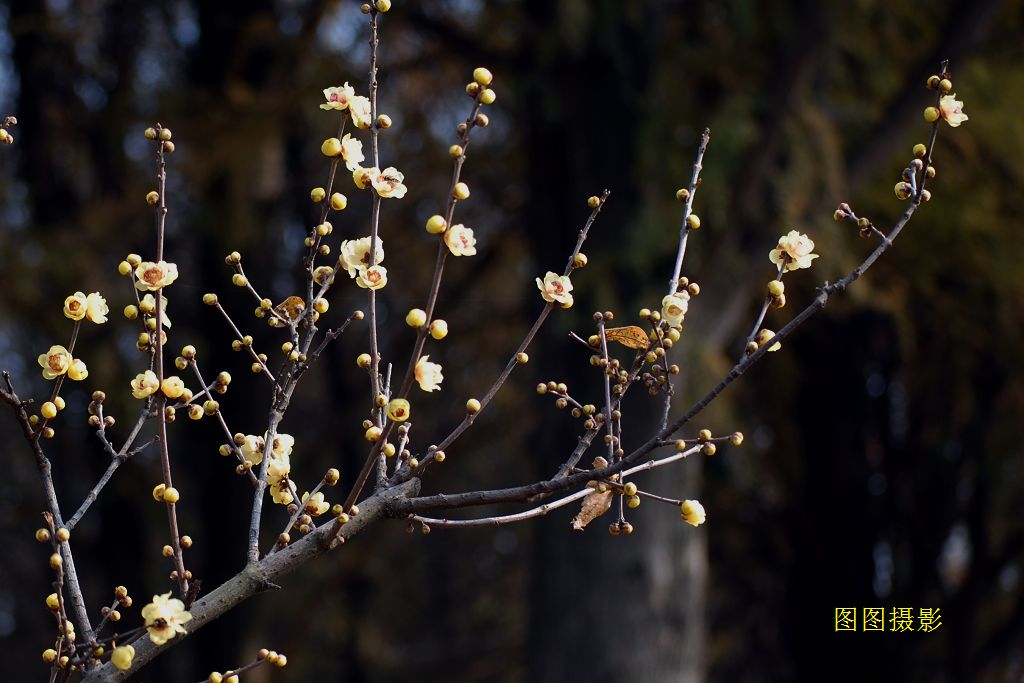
[154, 275]
[77, 370]
[283, 445]
[145, 384]
[149, 304]
[252, 448]
[75, 306]
[55, 362]
[460, 240]
[96, 308]
[359, 108]
[555, 287]
[374, 277]
[793, 251]
[355, 254]
[173, 387]
[277, 480]
[363, 177]
[338, 97]
[399, 410]
[388, 183]
[692, 512]
[428, 374]
[79, 306]
[952, 110]
[351, 151]
[674, 307]
[315, 505]
[165, 617]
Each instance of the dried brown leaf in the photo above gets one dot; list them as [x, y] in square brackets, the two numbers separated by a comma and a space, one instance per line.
[632, 336]
[595, 504]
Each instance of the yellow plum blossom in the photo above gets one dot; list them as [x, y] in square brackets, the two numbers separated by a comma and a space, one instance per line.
[145, 384]
[252, 448]
[460, 240]
[277, 479]
[351, 151]
[77, 370]
[674, 307]
[122, 657]
[793, 251]
[428, 374]
[388, 183]
[96, 308]
[149, 304]
[338, 97]
[374, 277]
[556, 288]
[164, 618]
[75, 306]
[692, 512]
[315, 505]
[173, 387]
[951, 109]
[359, 108]
[283, 445]
[355, 255]
[55, 362]
[363, 177]
[399, 410]
[154, 275]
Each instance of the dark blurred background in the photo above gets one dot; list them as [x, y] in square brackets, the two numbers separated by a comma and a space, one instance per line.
[882, 461]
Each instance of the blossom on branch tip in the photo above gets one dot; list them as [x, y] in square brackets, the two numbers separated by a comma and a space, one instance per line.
[428, 375]
[793, 251]
[338, 97]
[398, 410]
[674, 307]
[351, 152]
[951, 109]
[154, 275]
[165, 617]
[354, 255]
[315, 505]
[359, 108]
[55, 362]
[374, 277]
[388, 183]
[145, 384]
[75, 306]
[556, 288]
[692, 512]
[460, 240]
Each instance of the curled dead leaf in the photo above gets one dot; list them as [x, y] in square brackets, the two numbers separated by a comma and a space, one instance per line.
[632, 337]
[595, 504]
[292, 307]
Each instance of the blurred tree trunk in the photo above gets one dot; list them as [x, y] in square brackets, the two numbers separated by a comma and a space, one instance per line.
[603, 608]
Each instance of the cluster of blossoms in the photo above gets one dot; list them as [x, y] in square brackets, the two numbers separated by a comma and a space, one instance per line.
[354, 258]
[279, 467]
[58, 361]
